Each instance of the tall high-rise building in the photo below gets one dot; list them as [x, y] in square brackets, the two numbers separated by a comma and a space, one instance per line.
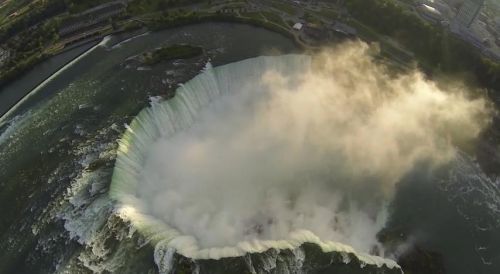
[468, 12]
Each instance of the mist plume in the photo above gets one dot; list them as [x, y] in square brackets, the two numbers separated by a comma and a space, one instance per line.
[319, 147]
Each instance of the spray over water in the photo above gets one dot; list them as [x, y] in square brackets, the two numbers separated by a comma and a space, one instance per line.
[276, 151]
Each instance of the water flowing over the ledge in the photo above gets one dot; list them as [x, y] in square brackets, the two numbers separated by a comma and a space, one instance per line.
[269, 153]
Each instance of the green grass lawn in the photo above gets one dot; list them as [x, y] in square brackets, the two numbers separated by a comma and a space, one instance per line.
[138, 7]
[273, 17]
[283, 6]
[171, 53]
[311, 17]
[328, 13]
[253, 15]
[364, 31]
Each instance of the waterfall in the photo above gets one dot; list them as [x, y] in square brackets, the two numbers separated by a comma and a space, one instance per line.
[165, 119]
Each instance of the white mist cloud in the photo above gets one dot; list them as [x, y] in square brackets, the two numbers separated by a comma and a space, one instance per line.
[319, 150]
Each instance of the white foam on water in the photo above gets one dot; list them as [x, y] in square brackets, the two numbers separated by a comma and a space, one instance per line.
[13, 124]
[168, 238]
[476, 197]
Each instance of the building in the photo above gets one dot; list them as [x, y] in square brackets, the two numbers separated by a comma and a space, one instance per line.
[468, 12]
[298, 26]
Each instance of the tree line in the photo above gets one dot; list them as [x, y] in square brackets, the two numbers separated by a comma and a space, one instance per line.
[436, 49]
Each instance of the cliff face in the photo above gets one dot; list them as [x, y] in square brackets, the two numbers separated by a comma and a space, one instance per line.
[308, 258]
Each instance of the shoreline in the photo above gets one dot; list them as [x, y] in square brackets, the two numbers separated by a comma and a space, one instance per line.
[89, 44]
[45, 80]
[132, 34]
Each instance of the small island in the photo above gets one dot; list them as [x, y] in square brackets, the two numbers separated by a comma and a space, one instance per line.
[168, 53]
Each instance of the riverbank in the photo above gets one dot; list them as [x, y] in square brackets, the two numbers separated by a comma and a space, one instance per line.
[17, 89]
[20, 89]
[249, 13]
[10, 97]
[170, 53]
[162, 23]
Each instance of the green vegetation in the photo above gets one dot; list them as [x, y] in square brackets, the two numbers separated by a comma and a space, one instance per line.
[26, 33]
[170, 21]
[137, 7]
[329, 13]
[131, 25]
[76, 6]
[32, 32]
[35, 13]
[435, 48]
[29, 50]
[9, 7]
[273, 17]
[365, 32]
[284, 6]
[172, 53]
[253, 15]
[311, 18]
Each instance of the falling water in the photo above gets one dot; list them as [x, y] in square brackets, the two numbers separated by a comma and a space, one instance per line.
[168, 118]
[271, 153]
